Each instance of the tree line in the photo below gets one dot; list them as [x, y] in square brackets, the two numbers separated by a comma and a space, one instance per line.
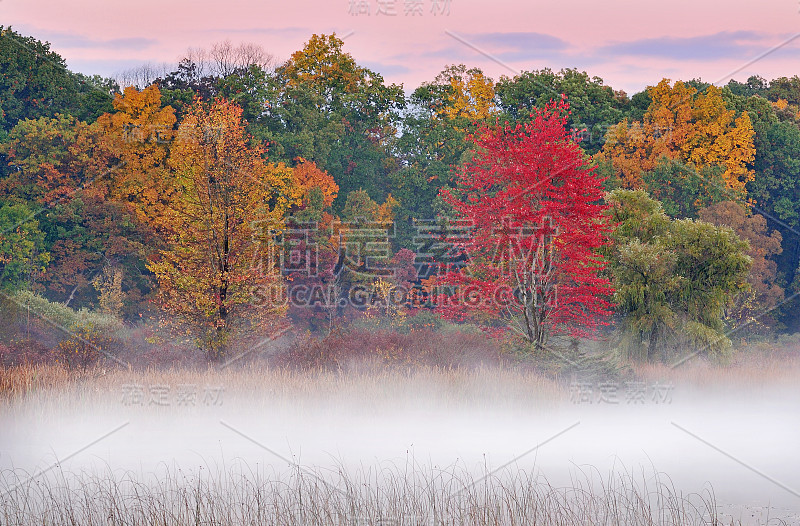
[206, 195]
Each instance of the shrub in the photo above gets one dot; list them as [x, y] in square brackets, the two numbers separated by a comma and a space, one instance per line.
[84, 347]
[389, 349]
[28, 351]
[64, 316]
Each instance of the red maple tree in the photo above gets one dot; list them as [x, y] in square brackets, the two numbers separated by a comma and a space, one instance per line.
[536, 205]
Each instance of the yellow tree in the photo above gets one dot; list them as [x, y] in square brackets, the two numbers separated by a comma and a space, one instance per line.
[321, 64]
[139, 133]
[471, 93]
[694, 128]
[225, 191]
[721, 139]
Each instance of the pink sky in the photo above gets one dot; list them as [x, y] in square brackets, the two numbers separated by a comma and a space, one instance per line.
[630, 44]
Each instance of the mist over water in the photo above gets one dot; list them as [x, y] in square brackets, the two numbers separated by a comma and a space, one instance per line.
[742, 442]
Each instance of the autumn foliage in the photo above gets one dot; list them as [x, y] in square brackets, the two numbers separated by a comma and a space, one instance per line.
[227, 197]
[138, 135]
[535, 205]
[309, 176]
[201, 200]
[681, 123]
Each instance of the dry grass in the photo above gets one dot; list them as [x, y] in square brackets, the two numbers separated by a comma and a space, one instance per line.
[390, 496]
[49, 387]
[754, 367]
[21, 380]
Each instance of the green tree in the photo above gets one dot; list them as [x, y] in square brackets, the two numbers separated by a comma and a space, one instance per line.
[594, 106]
[775, 189]
[434, 145]
[682, 190]
[785, 88]
[324, 107]
[22, 253]
[754, 85]
[764, 292]
[639, 104]
[35, 82]
[237, 73]
[674, 279]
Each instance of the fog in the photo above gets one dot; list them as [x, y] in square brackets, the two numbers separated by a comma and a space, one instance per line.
[742, 442]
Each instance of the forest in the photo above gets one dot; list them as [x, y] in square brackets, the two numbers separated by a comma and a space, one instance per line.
[194, 214]
[242, 290]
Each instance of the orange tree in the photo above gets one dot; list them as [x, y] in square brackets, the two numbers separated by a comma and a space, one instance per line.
[138, 135]
[309, 176]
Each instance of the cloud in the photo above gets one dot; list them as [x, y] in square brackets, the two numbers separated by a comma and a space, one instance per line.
[385, 69]
[521, 46]
[264, 31]
[504, 49]
[65, 40]
[723, 45]
[519, 41]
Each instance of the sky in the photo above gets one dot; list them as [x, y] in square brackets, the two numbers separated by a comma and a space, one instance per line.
[629, 43]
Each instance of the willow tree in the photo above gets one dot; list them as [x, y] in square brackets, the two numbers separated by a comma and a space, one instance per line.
[673, 279]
